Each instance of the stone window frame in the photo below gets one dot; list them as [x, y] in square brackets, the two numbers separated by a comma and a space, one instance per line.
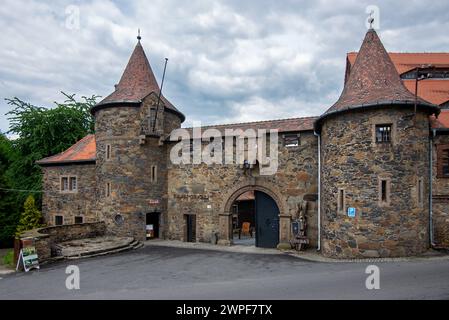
[420, 192]
[383, 121]
[69, 184]
[441, 149]
[58, 216]
[82, 219]
[291, 135]
[387, 201]
[108, 155]
[341, 200]
[153, 173]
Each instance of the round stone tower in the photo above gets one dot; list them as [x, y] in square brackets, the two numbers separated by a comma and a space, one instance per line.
[131, 126]
[375, 163]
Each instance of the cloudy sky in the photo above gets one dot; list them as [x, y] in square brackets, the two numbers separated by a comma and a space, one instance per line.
[229, 61]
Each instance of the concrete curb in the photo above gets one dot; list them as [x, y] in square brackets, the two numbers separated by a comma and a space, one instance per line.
[305, 255]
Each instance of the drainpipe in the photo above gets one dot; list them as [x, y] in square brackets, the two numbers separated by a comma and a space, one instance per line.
[319, 191]
[432, 244]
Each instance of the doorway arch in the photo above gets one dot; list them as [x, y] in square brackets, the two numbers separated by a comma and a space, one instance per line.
[225, 215]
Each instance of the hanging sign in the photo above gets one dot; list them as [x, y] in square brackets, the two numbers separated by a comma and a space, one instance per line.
[28, 257]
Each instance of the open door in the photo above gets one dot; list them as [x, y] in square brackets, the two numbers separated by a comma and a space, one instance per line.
[190, 220]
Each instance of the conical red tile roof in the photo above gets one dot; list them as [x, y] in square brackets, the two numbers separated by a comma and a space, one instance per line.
[373, 81]
[137, 82]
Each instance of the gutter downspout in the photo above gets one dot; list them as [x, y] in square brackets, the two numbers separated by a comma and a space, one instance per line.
[432, 244]
[319, 192]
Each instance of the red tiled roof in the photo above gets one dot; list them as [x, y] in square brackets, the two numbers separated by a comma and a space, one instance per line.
[405, 62]
[373, 80]
[137, 82]
[435, 91]
[82, 151]
[283, 125]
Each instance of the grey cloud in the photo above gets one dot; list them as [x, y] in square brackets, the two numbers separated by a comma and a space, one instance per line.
[229, 61]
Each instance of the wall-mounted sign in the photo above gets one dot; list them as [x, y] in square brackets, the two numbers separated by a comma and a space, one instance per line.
[154, 201]
[351, 212]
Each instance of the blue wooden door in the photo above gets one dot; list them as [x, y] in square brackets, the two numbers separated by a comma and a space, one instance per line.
[267, 221]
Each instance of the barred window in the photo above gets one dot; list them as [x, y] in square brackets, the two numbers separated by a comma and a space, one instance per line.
[79, 220]
[383, 133]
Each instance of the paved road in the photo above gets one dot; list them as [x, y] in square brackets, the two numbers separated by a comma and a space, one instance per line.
[175, 273]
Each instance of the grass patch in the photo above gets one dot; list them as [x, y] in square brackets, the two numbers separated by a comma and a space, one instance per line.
[8, 259]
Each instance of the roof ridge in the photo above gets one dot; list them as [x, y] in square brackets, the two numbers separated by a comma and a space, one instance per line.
[253, 122]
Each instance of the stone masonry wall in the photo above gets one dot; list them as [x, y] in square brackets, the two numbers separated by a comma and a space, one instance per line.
[203, 190]
[440, 201]
[69, 204]
[352, 161]
[133, 191]
[45, 238]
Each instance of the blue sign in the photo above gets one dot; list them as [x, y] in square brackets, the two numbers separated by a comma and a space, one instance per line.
[351, 212]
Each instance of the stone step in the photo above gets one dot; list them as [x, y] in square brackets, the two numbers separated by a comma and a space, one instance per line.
[123, 244]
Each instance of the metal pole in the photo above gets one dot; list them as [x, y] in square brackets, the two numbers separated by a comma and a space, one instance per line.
[160, 94]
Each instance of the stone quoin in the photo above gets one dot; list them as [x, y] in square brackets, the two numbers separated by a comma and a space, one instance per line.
[371, 174]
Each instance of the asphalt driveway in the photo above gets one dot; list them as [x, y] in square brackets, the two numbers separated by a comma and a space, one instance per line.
[156, 272]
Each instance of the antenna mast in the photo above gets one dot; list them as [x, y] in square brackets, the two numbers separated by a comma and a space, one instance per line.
[160, 94]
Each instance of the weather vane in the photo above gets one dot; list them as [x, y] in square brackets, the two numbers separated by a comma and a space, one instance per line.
[138, 34]
[371, 19]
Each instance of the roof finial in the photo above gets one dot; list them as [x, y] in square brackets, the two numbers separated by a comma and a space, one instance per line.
[138, 35]
[371, 19]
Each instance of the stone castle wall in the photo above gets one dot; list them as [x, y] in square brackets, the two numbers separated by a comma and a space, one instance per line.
[204, 190]
[440, 201]
[352, 161]
[81, 203]
[134, 192]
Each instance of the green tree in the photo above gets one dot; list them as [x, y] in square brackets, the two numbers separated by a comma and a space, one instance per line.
[30, 218]
[9, 211]
[43, 132]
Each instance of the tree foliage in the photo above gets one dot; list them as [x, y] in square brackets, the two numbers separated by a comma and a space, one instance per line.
[9, 211]
[43, 132]
[31, 217]
[39, 132]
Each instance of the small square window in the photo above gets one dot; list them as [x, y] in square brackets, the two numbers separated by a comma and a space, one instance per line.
[59, 220]
[383, 133]
[291, 140]
[79, 220]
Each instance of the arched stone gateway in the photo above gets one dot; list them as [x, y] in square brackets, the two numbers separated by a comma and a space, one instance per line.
[225, 215]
